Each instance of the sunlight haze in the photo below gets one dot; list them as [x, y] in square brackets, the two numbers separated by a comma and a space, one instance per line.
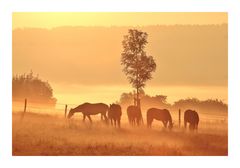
[79, 53]
[56, 19]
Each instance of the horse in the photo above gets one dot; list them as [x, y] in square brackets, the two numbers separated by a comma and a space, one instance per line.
[191, 117]
[88, 109]
[114, 114]
[161, 115]
[134, 115]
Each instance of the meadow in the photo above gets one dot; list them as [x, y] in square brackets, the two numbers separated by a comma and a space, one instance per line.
[45, 134]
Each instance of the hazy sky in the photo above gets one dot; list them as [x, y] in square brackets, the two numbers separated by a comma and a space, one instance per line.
[50, 19]
[83, 63]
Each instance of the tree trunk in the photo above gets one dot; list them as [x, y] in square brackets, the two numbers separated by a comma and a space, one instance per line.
[138, 99]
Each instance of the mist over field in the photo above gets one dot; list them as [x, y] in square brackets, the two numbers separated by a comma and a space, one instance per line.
[183, 53]
[44, 135]
[114, 84]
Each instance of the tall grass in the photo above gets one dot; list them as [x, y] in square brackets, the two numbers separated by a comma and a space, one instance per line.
[42, 134]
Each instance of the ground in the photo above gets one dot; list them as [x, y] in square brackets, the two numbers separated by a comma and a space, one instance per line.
[42, 134]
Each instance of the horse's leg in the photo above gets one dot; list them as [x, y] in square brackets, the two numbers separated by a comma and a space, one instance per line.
[185, 124]
[114, 122]
[138, 121]
[191, 127]
[89, 118]
[149, 123]
[111, 122]
[105, 118]
[84, 117]
[118, 122]
[165, 124]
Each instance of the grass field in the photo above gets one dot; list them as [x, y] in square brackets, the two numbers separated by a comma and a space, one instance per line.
[42, 134]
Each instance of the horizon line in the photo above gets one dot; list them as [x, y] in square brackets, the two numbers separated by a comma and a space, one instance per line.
[117, 26]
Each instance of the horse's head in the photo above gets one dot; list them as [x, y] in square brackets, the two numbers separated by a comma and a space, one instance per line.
[70, 114]
[170, 126]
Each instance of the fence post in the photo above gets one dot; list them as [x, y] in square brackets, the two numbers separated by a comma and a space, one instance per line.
[25, 109]
[179, 118]
[65, 115]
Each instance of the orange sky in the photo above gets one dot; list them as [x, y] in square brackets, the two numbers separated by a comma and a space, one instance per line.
[83, 63]
[55, 19]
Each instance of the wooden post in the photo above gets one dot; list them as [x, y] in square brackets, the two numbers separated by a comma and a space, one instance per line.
[179, 118]
[65, 115]
[25, 109]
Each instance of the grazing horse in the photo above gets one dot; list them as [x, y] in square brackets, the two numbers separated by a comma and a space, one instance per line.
[161, 115]
[114, 114]
[191, 117]
[134, 115]
[88, 109]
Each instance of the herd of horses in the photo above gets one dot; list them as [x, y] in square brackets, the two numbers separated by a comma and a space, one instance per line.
[113, 115]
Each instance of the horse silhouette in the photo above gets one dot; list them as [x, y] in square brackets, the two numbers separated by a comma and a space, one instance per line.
[114, 114]
[134, 115]
[161, 115]
[88, 109]
[191, 117]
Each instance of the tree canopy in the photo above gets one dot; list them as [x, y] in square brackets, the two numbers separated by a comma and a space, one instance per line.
[138, 66]
[31, 87]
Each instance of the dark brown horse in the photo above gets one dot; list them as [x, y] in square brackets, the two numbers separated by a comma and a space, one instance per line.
[191, 117]
[88, 109]
[114, 114]
[134, 115]
[161, 115]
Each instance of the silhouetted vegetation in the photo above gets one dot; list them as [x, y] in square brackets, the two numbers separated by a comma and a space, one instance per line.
[160, 101]
[138, 66]
[34, 89]
[203, 105]
[151, 101]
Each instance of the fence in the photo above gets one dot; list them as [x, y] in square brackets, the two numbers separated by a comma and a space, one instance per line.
[61, 109]
[25, 106]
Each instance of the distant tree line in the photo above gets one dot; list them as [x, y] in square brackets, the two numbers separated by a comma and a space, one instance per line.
[34, 89]
[160, 101]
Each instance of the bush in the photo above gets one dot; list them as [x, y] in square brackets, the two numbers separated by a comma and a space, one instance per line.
[34, 89]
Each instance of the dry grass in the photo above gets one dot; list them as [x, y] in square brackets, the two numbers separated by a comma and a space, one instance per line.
[52, 135]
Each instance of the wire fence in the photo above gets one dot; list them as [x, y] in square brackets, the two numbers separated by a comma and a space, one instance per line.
[61, 109]
[42, 108]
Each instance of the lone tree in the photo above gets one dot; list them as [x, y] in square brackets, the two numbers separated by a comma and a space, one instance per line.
[138, 66]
